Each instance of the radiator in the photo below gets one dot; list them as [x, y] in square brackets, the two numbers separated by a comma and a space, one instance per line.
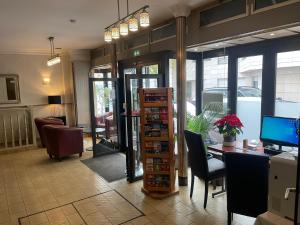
[16, 128]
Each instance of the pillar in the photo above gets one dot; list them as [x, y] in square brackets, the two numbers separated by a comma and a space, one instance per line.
[180, 13]
[114, 61]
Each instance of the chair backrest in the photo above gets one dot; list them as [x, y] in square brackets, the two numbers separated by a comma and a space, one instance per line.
[196, 154]
[40, 122]
[247, 183]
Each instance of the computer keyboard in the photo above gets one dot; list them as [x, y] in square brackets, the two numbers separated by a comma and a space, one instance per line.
[272, 151]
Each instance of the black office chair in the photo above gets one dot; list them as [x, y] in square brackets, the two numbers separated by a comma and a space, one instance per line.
[203, 168]
[246, 184]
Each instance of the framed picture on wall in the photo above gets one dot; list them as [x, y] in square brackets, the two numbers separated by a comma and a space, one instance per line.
[9, 89]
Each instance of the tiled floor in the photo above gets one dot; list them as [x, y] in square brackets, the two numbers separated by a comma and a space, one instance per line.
[43, 191]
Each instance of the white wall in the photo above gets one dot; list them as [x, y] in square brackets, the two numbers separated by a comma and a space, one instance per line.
[31, 70]
[81, 81]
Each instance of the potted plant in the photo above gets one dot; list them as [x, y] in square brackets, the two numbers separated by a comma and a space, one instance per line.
[230, 125]
[204, 122]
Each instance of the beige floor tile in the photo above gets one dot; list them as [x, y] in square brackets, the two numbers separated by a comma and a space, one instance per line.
[31, 183]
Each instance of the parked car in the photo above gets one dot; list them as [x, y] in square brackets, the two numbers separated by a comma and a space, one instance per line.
[242, 91]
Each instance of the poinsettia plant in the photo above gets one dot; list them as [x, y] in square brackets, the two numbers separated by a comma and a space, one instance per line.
[229, 125]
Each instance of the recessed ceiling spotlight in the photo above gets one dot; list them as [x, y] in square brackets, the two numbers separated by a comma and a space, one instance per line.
[72, 21]
[272, 34]
[217, 45]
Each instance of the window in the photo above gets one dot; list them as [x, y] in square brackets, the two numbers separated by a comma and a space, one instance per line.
[259, 4]
[249, 95]
[165, 31]
[215, 76]
[287, 102]
[190, 83]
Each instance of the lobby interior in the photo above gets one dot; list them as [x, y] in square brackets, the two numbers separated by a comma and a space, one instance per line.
[73, 143]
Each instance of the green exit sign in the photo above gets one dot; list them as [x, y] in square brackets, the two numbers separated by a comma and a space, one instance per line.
[136, 53]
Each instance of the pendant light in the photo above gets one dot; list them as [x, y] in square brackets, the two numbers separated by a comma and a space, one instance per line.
[144, 19]
[124, 25]
[123, 28]
[107, 36]
[115, 32]
[128, 23]
[133, 24]
[54, 59]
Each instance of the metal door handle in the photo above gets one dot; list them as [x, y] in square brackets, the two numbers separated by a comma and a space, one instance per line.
[287, 192]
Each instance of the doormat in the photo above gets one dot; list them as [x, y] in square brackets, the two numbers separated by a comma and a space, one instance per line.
[111, 167]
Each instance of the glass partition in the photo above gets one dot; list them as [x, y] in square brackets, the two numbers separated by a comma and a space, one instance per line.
[190, 84]
[249, 87]
[215, 81]
[287, 102]
[104, 116]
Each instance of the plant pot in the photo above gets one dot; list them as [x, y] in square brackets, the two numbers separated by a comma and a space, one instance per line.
[229, 141]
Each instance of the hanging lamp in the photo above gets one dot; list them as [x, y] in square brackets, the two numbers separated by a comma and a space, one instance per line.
[54, 59]
[144, 19]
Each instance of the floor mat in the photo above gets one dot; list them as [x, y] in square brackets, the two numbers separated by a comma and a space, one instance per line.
[111, 167]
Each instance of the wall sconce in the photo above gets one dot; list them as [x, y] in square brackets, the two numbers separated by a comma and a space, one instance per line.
[46, 80]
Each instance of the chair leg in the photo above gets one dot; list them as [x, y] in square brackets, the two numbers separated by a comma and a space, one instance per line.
[50, 156]
[80, 154]
[229, 218]
[192, 186]
[205, 194]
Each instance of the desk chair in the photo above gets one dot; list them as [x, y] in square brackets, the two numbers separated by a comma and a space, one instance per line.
[246, 184]
[203, 168]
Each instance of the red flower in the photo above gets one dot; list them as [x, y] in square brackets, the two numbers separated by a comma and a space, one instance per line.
[229, 124]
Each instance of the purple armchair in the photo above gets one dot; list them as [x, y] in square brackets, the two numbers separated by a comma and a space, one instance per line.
[63, 141]
[40, 122]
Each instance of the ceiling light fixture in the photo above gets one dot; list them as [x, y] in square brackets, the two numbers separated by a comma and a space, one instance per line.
[107, 36]
[133, 24]
[123, 28]
[128, 23]
[115, 33]
[272, 34]
[54, 59]
[144, 19]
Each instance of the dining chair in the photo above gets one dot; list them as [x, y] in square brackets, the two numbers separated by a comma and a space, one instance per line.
[201, 167]
[246, 184]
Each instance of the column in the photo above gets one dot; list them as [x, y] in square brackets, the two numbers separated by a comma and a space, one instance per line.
[181, 12]
[114, 61]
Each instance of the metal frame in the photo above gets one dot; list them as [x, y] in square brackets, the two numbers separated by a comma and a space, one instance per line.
[268, 49]
[92, 107]
[130, 159]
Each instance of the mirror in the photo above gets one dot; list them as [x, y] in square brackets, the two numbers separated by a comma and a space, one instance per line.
[9, 89]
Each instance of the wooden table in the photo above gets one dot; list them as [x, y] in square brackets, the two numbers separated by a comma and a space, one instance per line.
[219, 148]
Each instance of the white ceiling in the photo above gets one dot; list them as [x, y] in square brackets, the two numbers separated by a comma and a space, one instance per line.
[26, 24]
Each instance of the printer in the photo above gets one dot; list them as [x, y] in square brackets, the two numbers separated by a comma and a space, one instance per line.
[282, 181]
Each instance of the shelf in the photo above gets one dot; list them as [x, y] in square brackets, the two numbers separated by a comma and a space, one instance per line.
[156, 138]
[155, 104]
[149, 188]
[157, 172]
[158, 125]
[158, 155]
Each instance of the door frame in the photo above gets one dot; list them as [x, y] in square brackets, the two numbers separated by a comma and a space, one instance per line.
[92, 108]
[130, 159]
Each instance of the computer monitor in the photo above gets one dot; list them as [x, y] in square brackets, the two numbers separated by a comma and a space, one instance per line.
[279, 130]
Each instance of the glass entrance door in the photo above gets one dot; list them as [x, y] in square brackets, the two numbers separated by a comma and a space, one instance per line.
[104, 111]
[132, 83]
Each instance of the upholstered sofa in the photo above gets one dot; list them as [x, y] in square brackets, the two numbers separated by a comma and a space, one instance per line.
[63, 141]
[40, 122]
